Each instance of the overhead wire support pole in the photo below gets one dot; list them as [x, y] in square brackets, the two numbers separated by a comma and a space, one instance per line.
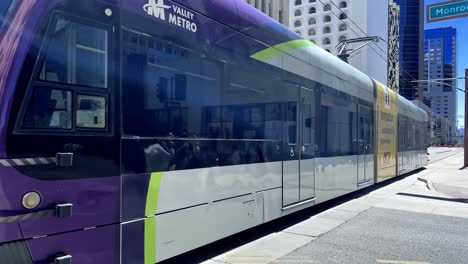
[442, 83]
[344, 52]
[444, 79]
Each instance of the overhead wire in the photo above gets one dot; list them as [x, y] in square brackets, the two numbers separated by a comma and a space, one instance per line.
[359, 35]
[365, 34]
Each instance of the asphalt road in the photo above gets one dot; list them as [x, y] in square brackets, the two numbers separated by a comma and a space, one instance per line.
[389, 236]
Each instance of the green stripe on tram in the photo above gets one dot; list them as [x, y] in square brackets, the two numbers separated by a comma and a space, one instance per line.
[279, 49]
[150, 212]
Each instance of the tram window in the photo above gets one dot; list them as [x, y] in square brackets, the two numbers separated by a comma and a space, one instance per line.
[292, 123]
[174, 88]
[91, 111]
[337, 124]
[273, 122]
[49, 109]
[75, 58]
[77, 54]
[253, 95]
[4, 6]
[170, 90]
[307, 124]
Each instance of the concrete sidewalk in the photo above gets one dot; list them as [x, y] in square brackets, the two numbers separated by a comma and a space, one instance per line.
[447, 177]
[435, 194]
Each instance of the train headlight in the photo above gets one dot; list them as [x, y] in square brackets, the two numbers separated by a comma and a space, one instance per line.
[31, 200]
[108, 12]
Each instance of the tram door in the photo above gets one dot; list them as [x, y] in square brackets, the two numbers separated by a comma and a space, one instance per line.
[365, 144]
[299, 146]
[402, 141]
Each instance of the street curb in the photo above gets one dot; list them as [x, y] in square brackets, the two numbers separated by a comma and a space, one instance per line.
[428, 183]
[440, 152]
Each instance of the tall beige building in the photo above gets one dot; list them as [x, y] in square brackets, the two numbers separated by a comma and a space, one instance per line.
[394, 46]
[329, 22]
[277, 9]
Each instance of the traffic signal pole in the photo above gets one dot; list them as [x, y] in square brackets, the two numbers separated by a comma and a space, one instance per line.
[465, 139]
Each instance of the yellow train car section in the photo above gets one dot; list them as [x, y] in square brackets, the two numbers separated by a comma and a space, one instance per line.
[386, 132]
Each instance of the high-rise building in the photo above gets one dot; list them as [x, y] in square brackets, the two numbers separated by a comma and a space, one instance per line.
[327, 23]
[440, 62]
[394, 46]
[441, 132]
[276, 9]
[411, 47]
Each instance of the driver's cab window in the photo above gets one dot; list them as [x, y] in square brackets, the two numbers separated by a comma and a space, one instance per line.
[70, 91]
[77, 54]
[49, 108]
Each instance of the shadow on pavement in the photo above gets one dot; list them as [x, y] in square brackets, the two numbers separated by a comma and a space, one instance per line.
[457, 200]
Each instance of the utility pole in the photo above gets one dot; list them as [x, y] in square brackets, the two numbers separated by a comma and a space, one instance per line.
[465, 139]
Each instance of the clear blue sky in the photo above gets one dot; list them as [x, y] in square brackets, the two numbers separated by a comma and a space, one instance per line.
[461, 24]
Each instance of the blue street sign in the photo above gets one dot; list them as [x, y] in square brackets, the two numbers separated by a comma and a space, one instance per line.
[447, 10]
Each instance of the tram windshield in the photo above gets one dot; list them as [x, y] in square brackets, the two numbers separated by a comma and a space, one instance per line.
[4, 6]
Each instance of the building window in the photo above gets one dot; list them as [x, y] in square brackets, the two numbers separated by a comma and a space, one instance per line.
[298, 2]
[312, 21]
[326, 30]
[343, 4]
[326, 19]
[313, 41]
[298, 12]
[312, 10]
[298, 23]
[447, 89]
[326, 41]
[343, 27]
[327, 7]
[312, 1]
[341, 39]
[312, 32]
[343, 16]
[328, 50]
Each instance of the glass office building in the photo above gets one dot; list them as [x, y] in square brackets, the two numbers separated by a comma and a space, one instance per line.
[411, 46]
[440, 62]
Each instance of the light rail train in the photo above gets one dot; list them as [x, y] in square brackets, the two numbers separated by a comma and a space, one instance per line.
[132, 131]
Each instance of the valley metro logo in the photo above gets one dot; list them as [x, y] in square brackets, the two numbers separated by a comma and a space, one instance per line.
[177, 15]
[156, 9]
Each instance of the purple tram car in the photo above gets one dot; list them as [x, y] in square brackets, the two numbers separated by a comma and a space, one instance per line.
[132, 131]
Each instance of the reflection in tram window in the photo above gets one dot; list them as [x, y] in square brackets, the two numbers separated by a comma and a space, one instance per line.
[292, 123]
[174, 91]
[49, 109]
[77, 54]
[91, 112]
[307, 128]
[338, 124]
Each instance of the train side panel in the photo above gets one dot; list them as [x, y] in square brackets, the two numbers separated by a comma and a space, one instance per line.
[387, 114]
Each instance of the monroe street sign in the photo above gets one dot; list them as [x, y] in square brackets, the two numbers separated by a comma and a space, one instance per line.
[447, 10]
